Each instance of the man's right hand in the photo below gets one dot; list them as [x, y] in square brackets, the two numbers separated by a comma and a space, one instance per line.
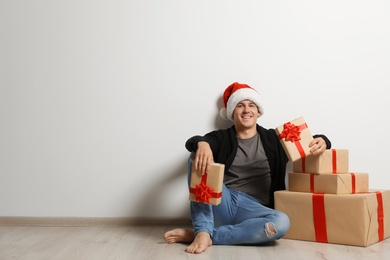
[203, 157]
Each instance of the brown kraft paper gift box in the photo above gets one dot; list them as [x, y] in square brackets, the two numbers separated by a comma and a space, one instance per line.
[295, 137]
[207, 188]
[348, 183]
[358, 219]
[330, 161]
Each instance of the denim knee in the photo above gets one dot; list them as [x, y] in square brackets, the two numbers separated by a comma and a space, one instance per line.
[282, 224]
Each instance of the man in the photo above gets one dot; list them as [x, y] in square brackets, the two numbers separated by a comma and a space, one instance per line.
[255, 167]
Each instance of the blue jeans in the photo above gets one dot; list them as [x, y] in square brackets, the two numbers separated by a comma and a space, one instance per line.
[239, 219]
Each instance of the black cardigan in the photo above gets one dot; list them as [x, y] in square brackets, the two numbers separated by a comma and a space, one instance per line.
[224, 145]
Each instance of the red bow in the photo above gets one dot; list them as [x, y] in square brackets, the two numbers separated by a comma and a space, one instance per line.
[290, 132]
[203, 193]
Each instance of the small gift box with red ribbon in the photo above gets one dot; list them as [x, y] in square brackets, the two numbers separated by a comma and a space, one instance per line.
[348, 183]
[330, 161]
[295, 137]
[207, 187]
[360, 219]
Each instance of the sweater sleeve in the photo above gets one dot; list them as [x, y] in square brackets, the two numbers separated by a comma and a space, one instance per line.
[192, 143]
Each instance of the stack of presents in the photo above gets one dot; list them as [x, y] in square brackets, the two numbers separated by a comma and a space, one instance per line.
[325, 201]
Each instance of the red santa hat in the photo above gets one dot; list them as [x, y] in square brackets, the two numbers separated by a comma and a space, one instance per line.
[236, 93]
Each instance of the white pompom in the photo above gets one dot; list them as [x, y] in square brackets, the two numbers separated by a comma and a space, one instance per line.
[223, 113]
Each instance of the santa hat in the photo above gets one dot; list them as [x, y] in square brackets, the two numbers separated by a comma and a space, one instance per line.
[236, 93]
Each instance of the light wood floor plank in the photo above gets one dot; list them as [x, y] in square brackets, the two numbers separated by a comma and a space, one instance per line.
[146, 242]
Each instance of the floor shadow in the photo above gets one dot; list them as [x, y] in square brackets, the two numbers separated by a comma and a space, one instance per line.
[169, 194]
[173, 187]
[158, 196]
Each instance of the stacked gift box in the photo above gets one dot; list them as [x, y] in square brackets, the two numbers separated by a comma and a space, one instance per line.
[325, 201]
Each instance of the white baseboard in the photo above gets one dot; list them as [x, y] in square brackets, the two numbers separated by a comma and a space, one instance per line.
[86, 221]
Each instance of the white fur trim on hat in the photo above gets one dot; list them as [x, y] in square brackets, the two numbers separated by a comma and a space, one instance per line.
[223, 113]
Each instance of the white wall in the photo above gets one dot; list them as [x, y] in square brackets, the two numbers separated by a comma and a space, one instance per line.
[97, 98]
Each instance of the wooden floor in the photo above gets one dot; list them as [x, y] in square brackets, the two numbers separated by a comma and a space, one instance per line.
[146, 242]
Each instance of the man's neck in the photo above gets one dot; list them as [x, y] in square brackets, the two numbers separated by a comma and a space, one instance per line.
[246, 133]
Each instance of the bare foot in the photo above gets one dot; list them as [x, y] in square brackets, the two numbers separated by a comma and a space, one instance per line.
[201, 242]
[178, 235]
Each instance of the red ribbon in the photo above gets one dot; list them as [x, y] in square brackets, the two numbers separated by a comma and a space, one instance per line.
[353, 180]
[203, 193]
[311, 182]
[319, 218]
[292, 133]
[381, 229]
[380, 215]
[303, 164]
[334, 161]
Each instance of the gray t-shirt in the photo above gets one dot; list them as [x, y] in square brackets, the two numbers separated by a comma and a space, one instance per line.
[250, 171]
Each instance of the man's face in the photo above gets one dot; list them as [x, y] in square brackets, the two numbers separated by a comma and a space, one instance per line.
[245, 114]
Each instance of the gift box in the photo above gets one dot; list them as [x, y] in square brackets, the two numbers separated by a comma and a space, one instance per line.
[207, 187]
[358, 219]
[330, 161]
[295, 137]
[348, 183]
